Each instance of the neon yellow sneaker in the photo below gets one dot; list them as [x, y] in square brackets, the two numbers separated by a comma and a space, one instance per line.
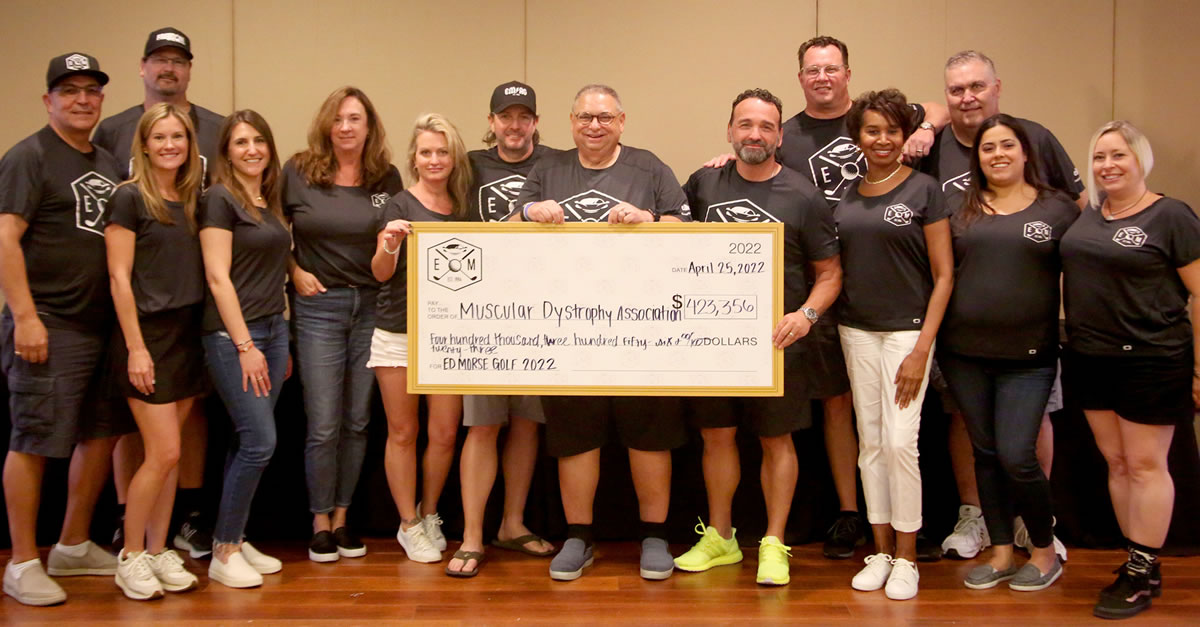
[711, 550]
[773, 562]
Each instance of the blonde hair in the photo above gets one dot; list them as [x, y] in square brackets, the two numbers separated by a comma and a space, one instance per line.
[319, 165]
[1138, 145]
[460, 177]
[188, 177]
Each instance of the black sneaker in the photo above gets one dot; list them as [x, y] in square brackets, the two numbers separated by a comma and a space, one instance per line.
[1125, 597]
[1155, 580]
[845, 535]
[348, 544]
[323, 548]
[194, 537]
[927, 550]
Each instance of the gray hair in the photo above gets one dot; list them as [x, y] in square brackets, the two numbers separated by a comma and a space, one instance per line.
[597, 88]
[966, 56]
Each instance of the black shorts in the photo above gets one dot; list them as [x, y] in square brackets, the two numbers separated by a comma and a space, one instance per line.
[766, 417]
[578, 424]
[173, 339]
[824, 367]
[1146, 390]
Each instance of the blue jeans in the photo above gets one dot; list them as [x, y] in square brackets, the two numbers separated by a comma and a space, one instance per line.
[1002, 403]
[333, 343]
[253, 417]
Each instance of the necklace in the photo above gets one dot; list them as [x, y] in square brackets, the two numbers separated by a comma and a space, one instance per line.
[884, 179]
[1112, 214]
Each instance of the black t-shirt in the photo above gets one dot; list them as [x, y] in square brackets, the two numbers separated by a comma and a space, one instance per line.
[62, 194]
[950, 162]
[496, 183]
[115, 134]
[887, 279]
[823, 151]
[1121, 284]
[1006, 271]
[168, 269]
[722, 195]
[258, 267]
[334, 227]
[391, 310]
[586, 195]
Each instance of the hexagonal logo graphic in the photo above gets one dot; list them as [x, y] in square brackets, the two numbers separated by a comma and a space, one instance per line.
[77, 62]
[380, 199]
[738, 211]
[92, 192]
[959, 183]
[498, 198]
[589, 206]
[1038, 231]
[455, 264]
[1130, 237]
[898, 215]
[835, 166]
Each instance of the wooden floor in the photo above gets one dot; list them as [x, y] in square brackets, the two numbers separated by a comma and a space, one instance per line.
[384, 588]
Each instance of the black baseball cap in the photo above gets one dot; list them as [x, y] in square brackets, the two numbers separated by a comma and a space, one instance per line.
[71, 64]
[168, 36]
[513, 93]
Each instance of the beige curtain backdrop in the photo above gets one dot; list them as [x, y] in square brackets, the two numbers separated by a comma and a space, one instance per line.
[1069, 64]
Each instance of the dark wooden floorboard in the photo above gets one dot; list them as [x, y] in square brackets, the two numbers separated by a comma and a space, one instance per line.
[385, 588]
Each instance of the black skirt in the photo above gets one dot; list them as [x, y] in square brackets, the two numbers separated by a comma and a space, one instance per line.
[173, 339]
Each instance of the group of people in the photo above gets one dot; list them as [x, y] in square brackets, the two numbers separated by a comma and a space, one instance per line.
[913, 232]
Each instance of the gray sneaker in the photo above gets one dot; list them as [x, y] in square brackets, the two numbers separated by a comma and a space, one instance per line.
[657, 562]
[572, 559]
[33, 587]
[96, 561]
[1030, 579]
[984, 577]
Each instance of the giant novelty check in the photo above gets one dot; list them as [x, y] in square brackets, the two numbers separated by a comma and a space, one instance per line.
[663, 309]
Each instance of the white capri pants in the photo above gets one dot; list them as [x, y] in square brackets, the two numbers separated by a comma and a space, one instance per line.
[887, 435]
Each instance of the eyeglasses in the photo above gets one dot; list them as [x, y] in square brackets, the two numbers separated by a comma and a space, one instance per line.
[585, 119]
[171, 61]
[813, 71]
[978, 87]
[73, 91]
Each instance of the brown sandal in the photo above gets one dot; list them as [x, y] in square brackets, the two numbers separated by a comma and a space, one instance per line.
[518, 544]
[466, 556]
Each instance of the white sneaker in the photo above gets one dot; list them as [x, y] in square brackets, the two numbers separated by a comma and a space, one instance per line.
[1021, 539]
[263, 563]
[875, 574]
[32, 587]
[433, 529]
[168, 568]
[970, 535]
[136, 578]
[236, 573]
[902, 583]
[417, 545]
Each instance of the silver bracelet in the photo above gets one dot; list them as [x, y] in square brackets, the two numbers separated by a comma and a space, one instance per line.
[390, 252]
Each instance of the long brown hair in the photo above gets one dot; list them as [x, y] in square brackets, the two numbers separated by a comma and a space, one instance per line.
[271, 185]
[975, 204]
[319, 165]
[459, 184]
[188, 177]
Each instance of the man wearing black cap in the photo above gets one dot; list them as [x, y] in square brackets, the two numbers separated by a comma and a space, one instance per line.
[498, 175]
[166, 72]
[54, 186]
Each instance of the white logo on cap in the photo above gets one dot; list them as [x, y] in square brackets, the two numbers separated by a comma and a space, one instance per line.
[516, 91]
[78, 62]
[175, 37]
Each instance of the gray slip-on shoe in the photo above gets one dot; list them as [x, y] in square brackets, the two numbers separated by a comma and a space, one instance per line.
[571, 560]
[657, 562]
[1030, 579]
[984, 577]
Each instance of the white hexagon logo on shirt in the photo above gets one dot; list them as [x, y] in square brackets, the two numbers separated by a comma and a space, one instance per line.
[898, 215]
[455, 264]
[380, 199]
[959, 183]
[835, 166]
[498, 198]
[1038, 231]
[1130, 237]
[92, 191]
[77, 62]
[738, 211]
[590, 206]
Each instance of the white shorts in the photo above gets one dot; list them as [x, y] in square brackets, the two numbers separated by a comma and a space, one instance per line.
[388, 350]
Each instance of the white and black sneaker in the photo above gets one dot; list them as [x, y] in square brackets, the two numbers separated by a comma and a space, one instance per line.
[193, 537]
[348, 544]
[323, 548]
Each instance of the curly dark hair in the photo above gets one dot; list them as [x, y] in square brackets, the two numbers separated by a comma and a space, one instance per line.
[890, 103]
[760, 94]
[974, 202]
